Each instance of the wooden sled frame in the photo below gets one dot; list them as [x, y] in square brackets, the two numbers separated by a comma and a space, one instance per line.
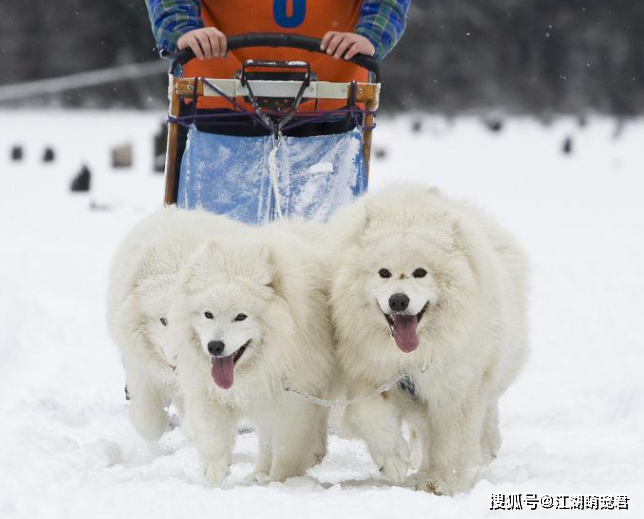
[180, 87]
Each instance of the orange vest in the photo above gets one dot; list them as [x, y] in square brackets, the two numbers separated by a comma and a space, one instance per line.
[306, 17]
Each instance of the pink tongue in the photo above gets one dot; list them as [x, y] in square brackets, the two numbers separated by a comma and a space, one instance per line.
[222, 371]
[405, 332]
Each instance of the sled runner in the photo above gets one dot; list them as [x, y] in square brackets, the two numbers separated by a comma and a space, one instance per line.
[271, 141]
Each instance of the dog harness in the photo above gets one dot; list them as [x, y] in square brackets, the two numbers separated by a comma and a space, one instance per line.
[404, 381]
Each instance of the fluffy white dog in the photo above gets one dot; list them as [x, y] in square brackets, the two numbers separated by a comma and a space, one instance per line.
[245, 312]
[433, 288]
[144, 269]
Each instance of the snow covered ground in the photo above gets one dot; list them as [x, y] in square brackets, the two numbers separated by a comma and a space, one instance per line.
[573, 424]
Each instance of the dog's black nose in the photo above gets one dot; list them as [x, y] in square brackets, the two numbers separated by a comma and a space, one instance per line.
[216, 348]
[398, 302]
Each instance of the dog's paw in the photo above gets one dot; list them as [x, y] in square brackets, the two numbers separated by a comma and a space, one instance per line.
[283, 472]
[257, 476]
[394, 468]
[434, 483]
[394, 463]
[318, 456]
[149, 422]
[215, 472]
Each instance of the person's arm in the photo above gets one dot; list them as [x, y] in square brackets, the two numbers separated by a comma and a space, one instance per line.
[382, 22]
[177, 25]
[170, 20]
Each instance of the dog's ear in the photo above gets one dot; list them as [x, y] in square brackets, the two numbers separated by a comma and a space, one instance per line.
[212, 246]
[265, 269]
[454, 230]
[455, 223]
[193, 275]
[434, 191]
[189, 282]
[264, 254]
[350, 222]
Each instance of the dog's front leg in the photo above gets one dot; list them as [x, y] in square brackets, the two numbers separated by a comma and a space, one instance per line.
[147, 412]
[176, 398]
[212, 427]
[298, 435]
[453, 443]
[490, 434]
[378, 423]
[264, 456]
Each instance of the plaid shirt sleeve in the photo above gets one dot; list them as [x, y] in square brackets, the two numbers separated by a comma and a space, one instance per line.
[171, 19]
[382, 22]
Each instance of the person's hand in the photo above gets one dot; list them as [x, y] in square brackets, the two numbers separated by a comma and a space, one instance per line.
[346, 44]
[206, 43]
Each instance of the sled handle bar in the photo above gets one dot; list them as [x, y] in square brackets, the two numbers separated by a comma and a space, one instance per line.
[275, 39]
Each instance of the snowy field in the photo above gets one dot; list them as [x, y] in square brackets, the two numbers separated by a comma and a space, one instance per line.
[573, 423]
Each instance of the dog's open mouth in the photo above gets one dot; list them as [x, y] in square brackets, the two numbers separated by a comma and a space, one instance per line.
[223, 368]
[404, 329]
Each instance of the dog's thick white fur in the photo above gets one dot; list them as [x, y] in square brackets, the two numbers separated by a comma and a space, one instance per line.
[247, 309]
[434, 288]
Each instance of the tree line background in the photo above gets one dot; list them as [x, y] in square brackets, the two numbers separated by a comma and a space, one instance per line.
[520, 56]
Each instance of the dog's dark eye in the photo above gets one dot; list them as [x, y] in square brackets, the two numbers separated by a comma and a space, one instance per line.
[384, 273]
[240, 317]
[419, 273]
[208, 315]
[164, 321]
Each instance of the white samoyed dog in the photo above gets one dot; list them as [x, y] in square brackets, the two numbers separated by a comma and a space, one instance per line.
[247, 312]
[141, 279]
[435, 289]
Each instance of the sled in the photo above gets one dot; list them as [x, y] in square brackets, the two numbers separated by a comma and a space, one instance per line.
[276, 149]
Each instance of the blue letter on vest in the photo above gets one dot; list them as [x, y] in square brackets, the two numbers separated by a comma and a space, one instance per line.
[281, 16]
